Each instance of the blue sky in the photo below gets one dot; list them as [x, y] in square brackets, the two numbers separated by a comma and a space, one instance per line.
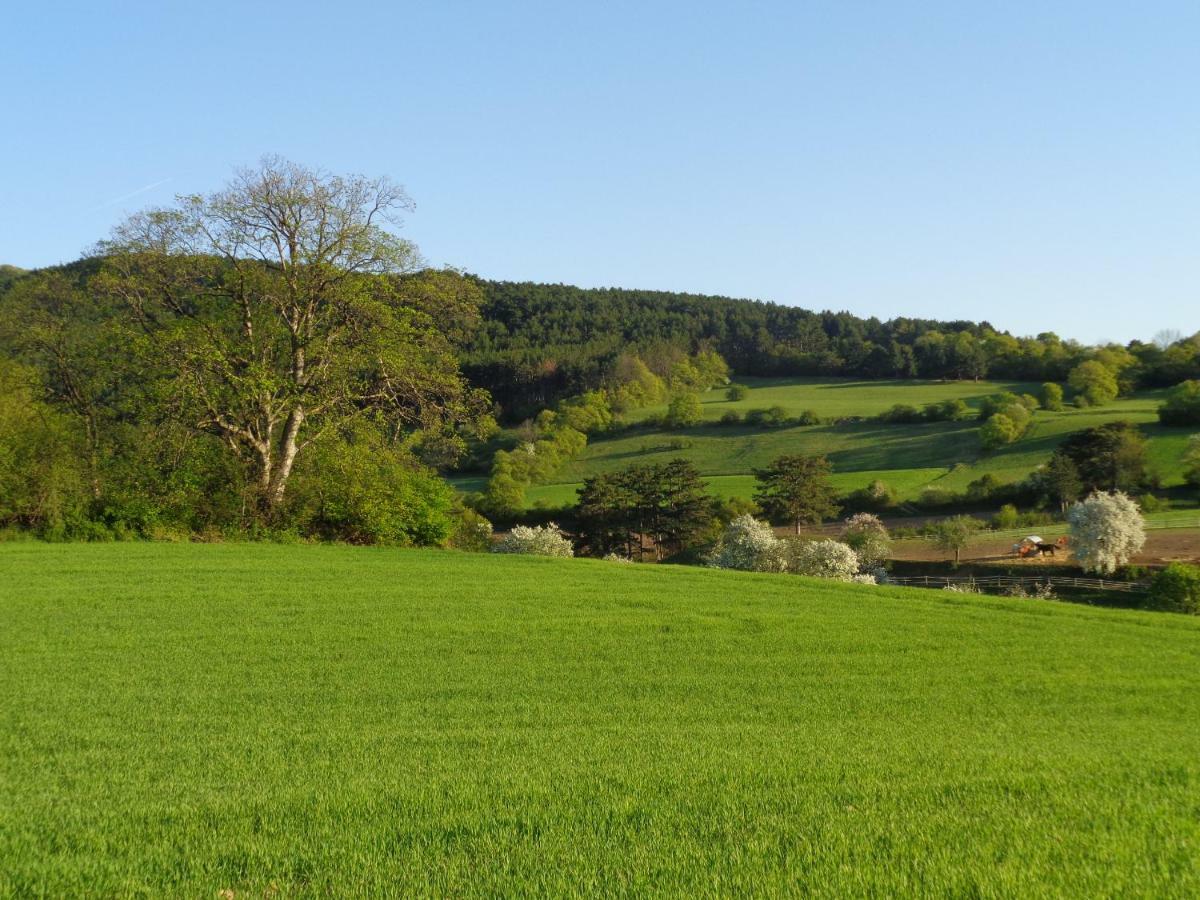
[1036, 165]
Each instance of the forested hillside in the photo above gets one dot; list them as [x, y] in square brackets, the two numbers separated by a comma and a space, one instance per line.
[539, 342]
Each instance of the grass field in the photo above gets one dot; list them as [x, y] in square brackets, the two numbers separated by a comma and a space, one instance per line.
[186, 719]
[910, 458]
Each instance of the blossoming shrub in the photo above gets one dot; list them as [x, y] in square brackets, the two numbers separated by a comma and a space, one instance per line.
[825, 559]
[540, 540]
[1106, 530]
[618, 558]
[749, 545]
[867, 536]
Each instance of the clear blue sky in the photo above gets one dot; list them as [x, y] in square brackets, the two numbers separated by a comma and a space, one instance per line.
[1035, 164]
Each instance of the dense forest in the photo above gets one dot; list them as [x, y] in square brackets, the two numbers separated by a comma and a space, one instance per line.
[537, 343]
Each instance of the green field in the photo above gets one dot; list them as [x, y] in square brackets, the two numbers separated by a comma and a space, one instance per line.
[186, 719]
[910, 458]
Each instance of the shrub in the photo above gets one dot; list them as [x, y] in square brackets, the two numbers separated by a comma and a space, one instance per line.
[1106, 530]
[876, 495]
[1007, 518]
[471, 532]
[983, 487]
[737, 392]
[1150, 503]
[867, 536]
[946, 411]
[824, 559]
[617, 558]
[1176, 589]
[750, 546]
[902, 414]
[730, 417]
[808, 417]
[539, 540]
[1052, 396]
[1191, 461]
[1182, 406]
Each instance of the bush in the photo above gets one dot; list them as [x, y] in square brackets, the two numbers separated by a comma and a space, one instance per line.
[1007, 518]
[471, 532]
[539, 540]
[1176, 589]
[750, 546]
[824, 559]
[946, 411]
[1106, 530]
[1052, 396]
[808, 417]
[1150, 503]
[866, 535]
[1182, 406]
[737, 392]
[876, 495]
[902, 414]
[730, 417]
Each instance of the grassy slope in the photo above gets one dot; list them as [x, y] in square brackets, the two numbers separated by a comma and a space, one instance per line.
[184, 719]
[908, 457]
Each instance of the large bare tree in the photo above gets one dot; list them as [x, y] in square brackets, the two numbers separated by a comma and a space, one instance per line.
[273, 312]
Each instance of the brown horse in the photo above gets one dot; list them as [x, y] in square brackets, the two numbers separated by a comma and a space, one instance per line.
[1043, 549]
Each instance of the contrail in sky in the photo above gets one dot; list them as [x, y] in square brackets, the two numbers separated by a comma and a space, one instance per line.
[140, 190]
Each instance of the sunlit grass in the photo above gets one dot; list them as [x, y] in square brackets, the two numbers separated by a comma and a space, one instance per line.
[182, 720]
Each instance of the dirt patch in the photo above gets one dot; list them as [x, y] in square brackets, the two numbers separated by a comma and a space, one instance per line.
[1163, 545]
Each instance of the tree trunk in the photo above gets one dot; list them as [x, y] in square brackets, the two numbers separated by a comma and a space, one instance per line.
[288, 448]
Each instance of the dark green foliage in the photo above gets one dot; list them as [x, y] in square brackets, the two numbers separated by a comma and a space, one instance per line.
[796, 489]
[1061, 481]
[1176, 589]
[1182, 406]
[1111, 457]
[665, 503]
[737, 392]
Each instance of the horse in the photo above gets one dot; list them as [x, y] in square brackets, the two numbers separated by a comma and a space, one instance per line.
[1046, 548]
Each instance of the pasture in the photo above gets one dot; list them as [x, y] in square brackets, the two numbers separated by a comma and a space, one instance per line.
[190, 719]
[909, 457]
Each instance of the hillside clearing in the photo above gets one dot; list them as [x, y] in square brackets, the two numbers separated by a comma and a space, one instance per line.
[185, 719]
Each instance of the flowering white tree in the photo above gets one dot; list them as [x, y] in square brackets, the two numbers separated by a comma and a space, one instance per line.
[1106, 530]
[826, 559]
[867, 536]
[541, 540]
[749, 545]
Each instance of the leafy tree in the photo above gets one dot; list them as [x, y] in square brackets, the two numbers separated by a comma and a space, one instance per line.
[1094, 383]
[684, 411]
[359, 487]
[954, 534]
[736, 393]
[1106, 531]
[1052, 396]
[796, 489]
[1182, 406]
[272, 314]
[42, 481]
[1108, 457]
[1061, 480]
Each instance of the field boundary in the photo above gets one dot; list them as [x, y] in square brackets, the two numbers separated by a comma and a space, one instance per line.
[1094, 584]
